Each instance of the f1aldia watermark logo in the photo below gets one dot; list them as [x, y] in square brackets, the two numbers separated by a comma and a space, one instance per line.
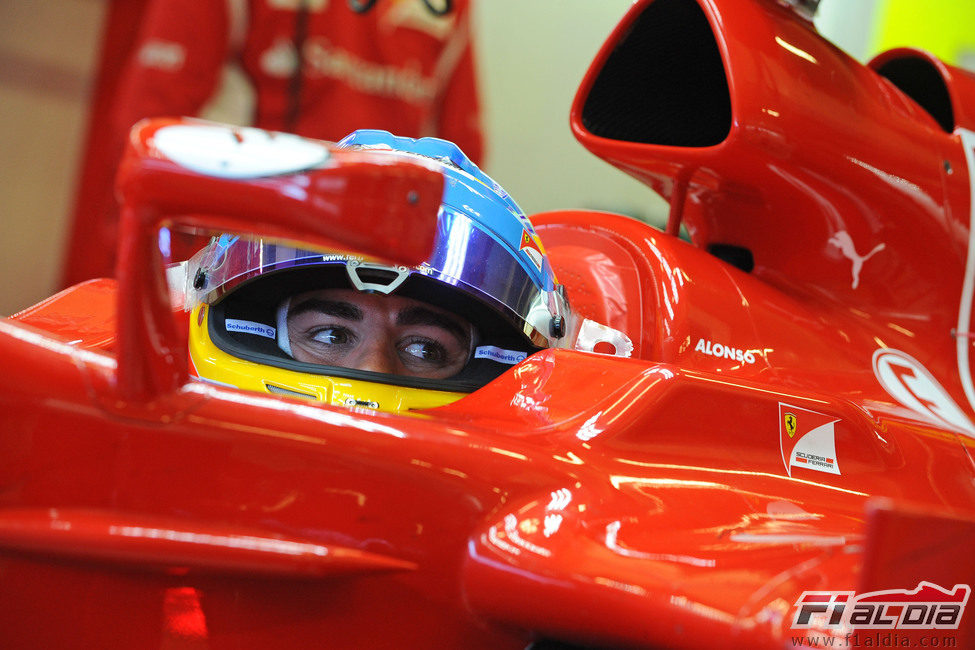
[927, 607]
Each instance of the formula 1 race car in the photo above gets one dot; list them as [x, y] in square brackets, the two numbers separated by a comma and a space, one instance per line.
[775, 451]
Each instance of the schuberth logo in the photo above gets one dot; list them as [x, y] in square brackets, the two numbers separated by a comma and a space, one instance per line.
[250, 327]
[510, 357]
[807, 439]
[927, 607]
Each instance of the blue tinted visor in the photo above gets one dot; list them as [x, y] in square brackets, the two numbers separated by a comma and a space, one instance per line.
[465, 257]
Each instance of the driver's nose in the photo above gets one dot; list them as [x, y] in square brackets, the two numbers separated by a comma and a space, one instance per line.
[377, 356]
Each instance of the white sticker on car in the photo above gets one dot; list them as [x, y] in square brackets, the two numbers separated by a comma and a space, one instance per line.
[913, 386]
[807, 439]
[964, 327]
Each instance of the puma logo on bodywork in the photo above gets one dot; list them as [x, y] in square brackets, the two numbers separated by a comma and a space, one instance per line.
[844, 242]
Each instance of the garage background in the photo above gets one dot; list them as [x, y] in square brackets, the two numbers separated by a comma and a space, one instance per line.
[49, 54]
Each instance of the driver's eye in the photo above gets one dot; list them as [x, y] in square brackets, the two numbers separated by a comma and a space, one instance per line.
[428, 351]
[332, 336]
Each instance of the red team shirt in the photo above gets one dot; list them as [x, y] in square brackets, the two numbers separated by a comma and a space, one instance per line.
[396, 67]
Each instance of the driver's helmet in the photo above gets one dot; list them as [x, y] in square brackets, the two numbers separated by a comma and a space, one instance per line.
[488, 266]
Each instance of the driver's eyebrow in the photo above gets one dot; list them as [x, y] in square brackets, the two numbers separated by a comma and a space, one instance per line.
[336, 308]
[423, 316]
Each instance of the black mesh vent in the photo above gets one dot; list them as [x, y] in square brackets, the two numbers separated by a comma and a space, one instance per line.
[921, 81]
[664, 83]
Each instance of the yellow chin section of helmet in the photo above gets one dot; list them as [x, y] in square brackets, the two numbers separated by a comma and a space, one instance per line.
[214, 365]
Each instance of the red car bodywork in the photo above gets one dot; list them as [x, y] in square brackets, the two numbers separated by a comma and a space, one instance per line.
[666, 500]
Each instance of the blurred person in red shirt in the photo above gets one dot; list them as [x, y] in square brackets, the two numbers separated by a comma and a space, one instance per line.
[317, 68]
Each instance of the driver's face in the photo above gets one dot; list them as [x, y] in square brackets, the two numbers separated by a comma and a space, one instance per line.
[391, 334]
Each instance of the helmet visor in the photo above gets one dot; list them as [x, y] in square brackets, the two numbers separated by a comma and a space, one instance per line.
[464, 257]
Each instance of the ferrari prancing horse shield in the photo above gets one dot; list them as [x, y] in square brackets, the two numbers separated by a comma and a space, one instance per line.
[790, 424]
[807, 439]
